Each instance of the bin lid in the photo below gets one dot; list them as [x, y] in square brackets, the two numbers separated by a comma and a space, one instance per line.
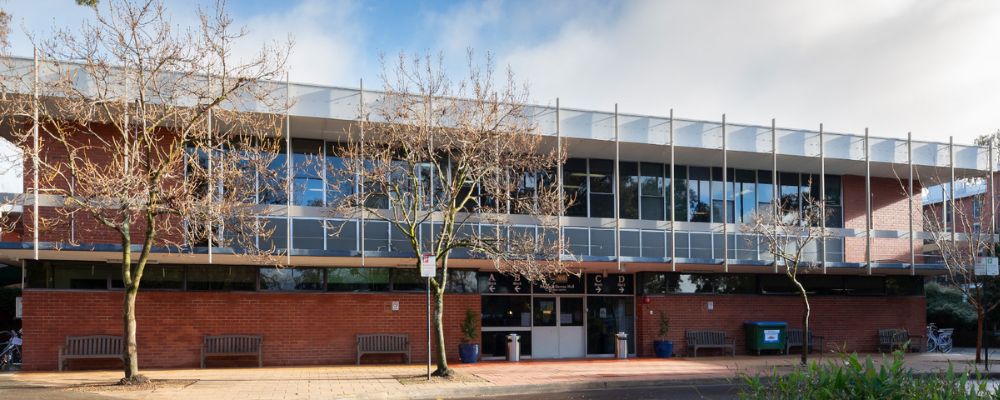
[765, 323]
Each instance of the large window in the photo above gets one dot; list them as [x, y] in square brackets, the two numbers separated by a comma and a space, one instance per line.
[357, 279]
[629, 185]
[340, 183]
[575, 186]
[288, 279]
[507, 311]
[221, 277]
[307, 172]
[652, 192]
[273, 181]
[602, 187]
[699, 194]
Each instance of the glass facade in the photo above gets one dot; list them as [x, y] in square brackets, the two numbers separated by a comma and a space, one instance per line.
[652, 283]
[104, 276]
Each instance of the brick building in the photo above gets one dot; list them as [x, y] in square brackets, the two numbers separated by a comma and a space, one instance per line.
[684, 188]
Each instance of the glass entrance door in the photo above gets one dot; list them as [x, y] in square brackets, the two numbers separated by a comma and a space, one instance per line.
[606, 316]
[557, 327]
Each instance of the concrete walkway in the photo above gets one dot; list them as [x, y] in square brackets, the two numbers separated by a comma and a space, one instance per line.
[407, 381]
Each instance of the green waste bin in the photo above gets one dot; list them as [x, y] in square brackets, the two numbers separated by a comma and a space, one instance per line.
[765, 335]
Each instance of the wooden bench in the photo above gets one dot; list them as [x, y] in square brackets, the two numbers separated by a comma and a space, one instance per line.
[895, 339]
[794, 339]
[233, 345]
[708, 340]
[91, 347]
[383, 343]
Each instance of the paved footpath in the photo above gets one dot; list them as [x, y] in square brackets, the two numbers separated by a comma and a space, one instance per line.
[406, 381]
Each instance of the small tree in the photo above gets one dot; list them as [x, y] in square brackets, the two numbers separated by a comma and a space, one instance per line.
[470, 326]
[664, 324]
[437, 157]
[788, 232]
[146, 129]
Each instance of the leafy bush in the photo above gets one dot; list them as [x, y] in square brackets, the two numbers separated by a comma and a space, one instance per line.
[948, 309]
[851, 378]
[470, 328]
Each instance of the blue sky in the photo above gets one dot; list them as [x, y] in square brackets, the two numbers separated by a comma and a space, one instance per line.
[926, 66]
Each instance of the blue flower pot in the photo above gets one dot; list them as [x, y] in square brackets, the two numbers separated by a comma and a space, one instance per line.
[663, 348]
[468, 352]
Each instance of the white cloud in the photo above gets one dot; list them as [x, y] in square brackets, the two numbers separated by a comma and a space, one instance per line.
[327, 40]
[897, 66]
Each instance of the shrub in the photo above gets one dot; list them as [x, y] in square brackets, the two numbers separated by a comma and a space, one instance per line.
[849, 377]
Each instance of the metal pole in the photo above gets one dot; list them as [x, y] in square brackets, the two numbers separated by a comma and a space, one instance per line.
[909, 196]
[288, 173]
[725, 200]
[617, 197]
[673, 204]
[361, 175]
[993, 247]
[34, 162]
[993, 206]
[429, 321]
[774, 182]
[559, 183]
[208, 122]
[822, 199]
[868, 206]
[951, 188]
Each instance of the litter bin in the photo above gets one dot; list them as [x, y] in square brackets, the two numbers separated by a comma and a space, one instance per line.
[513, 347]
[765, 335]
[621, 345]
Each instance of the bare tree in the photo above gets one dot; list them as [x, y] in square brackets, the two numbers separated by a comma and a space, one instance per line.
[960, 233]
[436, 157]
[156, 133]
[788, 231]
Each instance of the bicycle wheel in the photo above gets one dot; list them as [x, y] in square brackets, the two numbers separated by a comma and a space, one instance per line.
[6, 360]
[945, 346]
[931, 345]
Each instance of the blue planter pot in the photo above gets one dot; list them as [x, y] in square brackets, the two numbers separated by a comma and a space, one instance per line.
[663, 348]
[468, 352]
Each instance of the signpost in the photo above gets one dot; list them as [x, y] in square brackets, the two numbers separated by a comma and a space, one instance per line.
[987, 266]
[428, 267]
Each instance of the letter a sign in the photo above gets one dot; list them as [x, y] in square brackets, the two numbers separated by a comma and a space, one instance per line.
[428, 265]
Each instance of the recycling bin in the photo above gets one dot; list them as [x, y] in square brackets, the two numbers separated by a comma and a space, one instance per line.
[513, 347]
[765, 335]
[621, 345]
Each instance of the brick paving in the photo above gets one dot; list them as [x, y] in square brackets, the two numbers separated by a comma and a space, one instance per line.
[405, 381]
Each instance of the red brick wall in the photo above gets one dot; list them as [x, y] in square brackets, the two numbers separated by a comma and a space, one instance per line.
[850, 322]
[890, 211]
[298, 328]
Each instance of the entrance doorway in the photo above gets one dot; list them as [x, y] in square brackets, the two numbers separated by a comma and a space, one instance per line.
[557, 327]
[606, 316]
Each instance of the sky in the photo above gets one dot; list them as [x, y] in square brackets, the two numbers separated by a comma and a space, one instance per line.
[894, 66]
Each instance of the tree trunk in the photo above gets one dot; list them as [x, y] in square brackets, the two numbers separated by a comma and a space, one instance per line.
[131, 351]
[980, 315]
[440, 351]
[805, 328]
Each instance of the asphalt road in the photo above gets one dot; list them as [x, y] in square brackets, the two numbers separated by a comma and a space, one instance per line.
[685, 392]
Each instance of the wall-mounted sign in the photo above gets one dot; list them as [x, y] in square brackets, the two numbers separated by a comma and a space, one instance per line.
[987, 266]
[495, 282]
[569, 284]
[622, 284]
[428, 265]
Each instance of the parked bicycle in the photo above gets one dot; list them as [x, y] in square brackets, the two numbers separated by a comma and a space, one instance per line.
[11, 353]
[939, 339]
